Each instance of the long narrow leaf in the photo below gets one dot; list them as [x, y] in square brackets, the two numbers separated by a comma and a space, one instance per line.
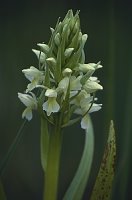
[44, 141]
[104, 180]
[78, 184]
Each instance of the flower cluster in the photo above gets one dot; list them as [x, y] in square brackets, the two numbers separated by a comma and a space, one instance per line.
[65, 84]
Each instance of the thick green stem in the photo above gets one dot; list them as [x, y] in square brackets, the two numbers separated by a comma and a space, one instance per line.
[53, 163]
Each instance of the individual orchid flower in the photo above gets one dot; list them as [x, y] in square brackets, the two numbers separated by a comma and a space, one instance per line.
[86, 67]
[63, 86]
[35, 76]
[77, 100]
[40, 55]
[75, 83]
[86, 107]
[30, 102]
[68, 80]
[51, 105]
[85, 119]
[64, 83]
[92, 85]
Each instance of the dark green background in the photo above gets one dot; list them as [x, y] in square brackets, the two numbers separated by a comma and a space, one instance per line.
[25, 23]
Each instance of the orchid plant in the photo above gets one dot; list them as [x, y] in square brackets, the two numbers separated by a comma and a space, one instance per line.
[62, 90]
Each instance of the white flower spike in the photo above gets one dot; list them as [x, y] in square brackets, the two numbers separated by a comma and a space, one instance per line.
[63, 81]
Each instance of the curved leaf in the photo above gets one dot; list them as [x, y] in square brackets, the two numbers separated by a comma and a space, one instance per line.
[104, 180]
[78, 184]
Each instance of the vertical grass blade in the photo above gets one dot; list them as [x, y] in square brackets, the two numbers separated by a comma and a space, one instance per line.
[78, 184]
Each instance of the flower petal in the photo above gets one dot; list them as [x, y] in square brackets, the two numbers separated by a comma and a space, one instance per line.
[92, 86]
[51, 106]
[27, 113]
[84, 122]
[95, 107]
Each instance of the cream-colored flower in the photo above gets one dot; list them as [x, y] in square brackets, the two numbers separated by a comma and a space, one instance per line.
[34, 76]
[82, 95]
[63, 86]
[92, 86]
[40, 55]
[75, 84]
[45, 48]
[86, 67]
[30, 102]
[51, 105]
[85, 119]
[85, 106]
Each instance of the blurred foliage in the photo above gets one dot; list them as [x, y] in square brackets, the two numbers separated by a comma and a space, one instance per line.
[22, 25]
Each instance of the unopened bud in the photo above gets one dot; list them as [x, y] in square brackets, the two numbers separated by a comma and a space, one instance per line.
[51, 61]
[40, 55]
[67, 72]
[44, 47]
[57, 39]
[84, 38]
[68, 52]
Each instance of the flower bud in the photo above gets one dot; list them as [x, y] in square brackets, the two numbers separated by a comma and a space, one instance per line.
[57, 39]
[51, 61]
[52, 30]
[84, 39]
[44, 47]
[67, 72]
[68, 52]
[40, 55]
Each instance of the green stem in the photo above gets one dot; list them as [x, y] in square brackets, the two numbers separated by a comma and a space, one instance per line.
[53, 162]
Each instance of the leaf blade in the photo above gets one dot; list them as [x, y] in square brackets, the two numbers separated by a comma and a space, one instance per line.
[104, 180]
[44, 143]
[78, 184]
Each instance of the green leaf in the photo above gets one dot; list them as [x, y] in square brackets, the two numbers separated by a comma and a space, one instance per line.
[103, 185]
[44, 143]
[78, 184]
[2, 193]
[47, 77]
